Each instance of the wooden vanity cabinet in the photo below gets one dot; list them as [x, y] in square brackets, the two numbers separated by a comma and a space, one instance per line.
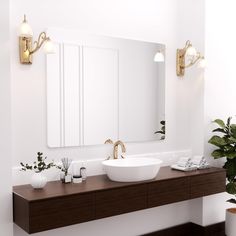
[168, 191]
[119, 201]
[207, 184]
[59, 204]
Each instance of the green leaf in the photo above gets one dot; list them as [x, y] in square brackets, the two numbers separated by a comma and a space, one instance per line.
[217, 141]
[232, 139]
[230, 166]
[218, 153]
[220, 123]
[231, 155]
[231, 188]
[229, 148]
[232, 200]
[233, 130]
[162, 122]
[219, 130]
[228, 121]
[159, 132]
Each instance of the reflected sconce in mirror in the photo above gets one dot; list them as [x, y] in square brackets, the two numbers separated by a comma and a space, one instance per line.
[187, 57]
[27, 47]
[159, 56]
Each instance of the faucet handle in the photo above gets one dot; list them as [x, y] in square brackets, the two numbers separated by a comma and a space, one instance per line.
[108, 141]
[122, 156]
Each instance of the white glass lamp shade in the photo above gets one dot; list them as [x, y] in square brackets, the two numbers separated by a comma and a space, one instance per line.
[25, 30]
[191, 51]
[159, 57]
[202, 63]
[49, 47]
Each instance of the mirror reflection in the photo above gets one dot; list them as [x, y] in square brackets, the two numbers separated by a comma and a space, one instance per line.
[101, 88]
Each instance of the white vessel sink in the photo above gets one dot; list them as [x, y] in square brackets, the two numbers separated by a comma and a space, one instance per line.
[132, 169]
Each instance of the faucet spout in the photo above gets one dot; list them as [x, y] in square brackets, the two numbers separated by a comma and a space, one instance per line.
[115, 150]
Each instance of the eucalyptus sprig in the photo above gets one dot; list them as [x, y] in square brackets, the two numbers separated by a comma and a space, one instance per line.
[38, 165]
[226, 147]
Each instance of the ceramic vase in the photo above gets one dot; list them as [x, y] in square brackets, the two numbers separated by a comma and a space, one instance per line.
[230, 222]
[38, 180]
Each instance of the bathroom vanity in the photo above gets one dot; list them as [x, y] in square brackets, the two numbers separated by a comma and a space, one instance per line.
[59, 205]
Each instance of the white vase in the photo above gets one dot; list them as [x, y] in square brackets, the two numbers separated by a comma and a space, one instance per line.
[38, 180]
[230, 222]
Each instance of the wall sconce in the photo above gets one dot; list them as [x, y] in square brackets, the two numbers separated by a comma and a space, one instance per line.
[189, 53]
[159, 56]
[26, 43]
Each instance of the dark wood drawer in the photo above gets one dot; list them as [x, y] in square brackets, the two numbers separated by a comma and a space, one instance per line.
[207, 184]
[119, 201]
[165, 192]
[58, 212]
[21, 212]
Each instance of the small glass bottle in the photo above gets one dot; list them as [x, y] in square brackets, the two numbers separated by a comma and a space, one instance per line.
[83, 173]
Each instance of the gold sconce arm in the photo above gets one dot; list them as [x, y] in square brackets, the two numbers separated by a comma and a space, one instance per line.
[38, 44]
[181, 54]
[187, 45]
[198, 57]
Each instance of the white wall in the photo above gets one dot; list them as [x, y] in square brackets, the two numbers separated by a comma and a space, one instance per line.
[5, 123]
[220, 83]
[220, 73]
[163, 21]
[193, 28]
[157, 21]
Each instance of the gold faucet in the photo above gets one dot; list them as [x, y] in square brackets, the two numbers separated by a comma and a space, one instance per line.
[108, 141]
[115, 149]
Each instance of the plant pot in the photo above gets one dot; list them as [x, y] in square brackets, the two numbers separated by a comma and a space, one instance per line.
[230, 222]
[38, 180]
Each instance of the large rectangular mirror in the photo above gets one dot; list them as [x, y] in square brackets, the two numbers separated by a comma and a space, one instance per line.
[101, 88]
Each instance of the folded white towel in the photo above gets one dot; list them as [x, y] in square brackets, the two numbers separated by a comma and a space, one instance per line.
[205, 166]
[200, 162]
[184, 162]
[190, 164]
[177, 167]
[197, 160]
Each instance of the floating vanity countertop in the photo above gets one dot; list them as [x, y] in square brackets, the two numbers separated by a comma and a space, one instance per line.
[59, 204]
[98, 183]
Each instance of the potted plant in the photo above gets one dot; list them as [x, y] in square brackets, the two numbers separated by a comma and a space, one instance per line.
[64, 167]
[38, 180]
[226, 147]
[163, 129]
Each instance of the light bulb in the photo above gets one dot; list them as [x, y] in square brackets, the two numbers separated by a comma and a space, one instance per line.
[159, 57]
[191, 51]
[49, 47]
[25, 30]
[202, 63]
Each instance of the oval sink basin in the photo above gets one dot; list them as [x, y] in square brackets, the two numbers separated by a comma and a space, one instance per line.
[132, 169]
